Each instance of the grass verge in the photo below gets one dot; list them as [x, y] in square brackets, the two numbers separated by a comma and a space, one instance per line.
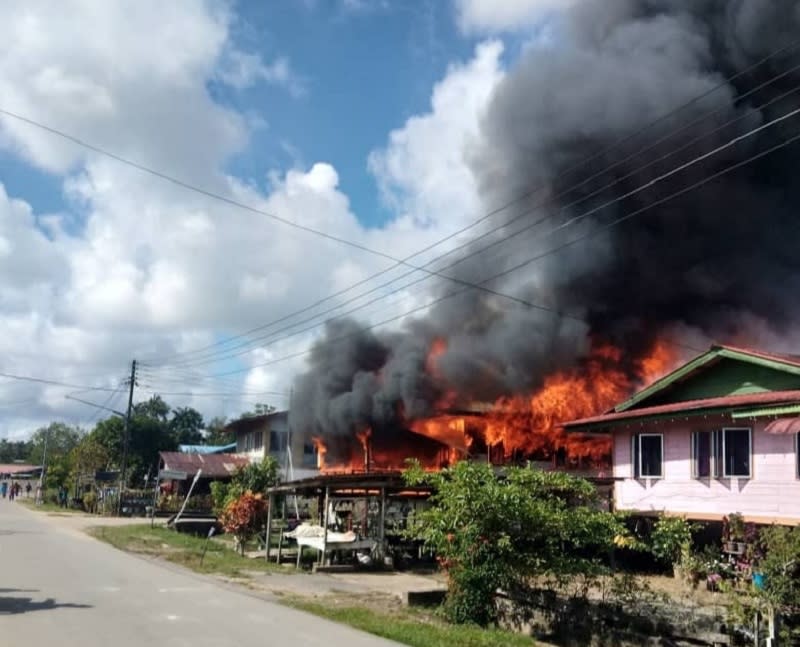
[183, 549]
[409, 626]
[48, 507]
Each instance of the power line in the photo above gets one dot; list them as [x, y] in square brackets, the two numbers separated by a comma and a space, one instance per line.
[80, 387]
[152, 389]
[571, 221]
[789, 47]
[533, 259]
[223, 354]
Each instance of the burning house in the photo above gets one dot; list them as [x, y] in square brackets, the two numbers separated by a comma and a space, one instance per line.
[653, 143]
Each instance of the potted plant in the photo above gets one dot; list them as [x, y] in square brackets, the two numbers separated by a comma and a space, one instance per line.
[733, 534]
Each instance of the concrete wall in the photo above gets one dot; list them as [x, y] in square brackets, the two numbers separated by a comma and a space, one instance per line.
[771, 494]
[268, 427]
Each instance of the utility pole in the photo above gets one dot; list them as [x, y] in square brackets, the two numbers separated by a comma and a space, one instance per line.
[125, 435]
[44, 469]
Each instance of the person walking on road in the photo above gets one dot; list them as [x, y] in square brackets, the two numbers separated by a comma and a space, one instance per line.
[4, 489]
[28, 489]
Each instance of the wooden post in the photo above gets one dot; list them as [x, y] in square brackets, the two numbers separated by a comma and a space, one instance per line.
[268, 537]
[382, 528]
[299, 555]
[325, 526]
[280, 547]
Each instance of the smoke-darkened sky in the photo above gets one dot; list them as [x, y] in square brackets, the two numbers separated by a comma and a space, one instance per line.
[711, 260]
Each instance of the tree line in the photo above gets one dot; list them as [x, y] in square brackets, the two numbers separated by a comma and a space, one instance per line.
[155, 427]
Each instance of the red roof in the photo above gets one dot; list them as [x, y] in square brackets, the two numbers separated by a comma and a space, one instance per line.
[213, 465]
[690, 407]
[18, 468]
[788, 426]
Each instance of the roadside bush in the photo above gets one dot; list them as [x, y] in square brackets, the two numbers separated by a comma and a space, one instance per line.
[493, 532]
[219, 496]
[90, 502]
[244, 517]
[256, 477]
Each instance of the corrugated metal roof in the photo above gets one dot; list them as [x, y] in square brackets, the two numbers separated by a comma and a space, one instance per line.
[767, 411]
[213, 465]
[206, 449]
[784, 426]
[788, 363]
[783, 358]
[18, 468]
[724, 404]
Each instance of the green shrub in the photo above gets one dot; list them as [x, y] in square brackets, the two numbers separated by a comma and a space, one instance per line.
[493, 532]
[90, 502]
[671, 539]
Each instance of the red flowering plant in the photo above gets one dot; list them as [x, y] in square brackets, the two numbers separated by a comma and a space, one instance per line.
[244, 517]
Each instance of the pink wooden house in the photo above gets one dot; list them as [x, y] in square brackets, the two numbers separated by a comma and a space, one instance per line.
[718, 435]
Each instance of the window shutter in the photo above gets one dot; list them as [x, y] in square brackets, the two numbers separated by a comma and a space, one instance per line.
[635, 455]
[716, 452]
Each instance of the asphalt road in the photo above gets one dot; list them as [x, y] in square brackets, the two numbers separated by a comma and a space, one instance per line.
[61, 587]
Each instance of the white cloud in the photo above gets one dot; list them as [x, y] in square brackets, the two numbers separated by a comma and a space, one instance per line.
[423, 172]
[362, 6]
[505, 15]
[153, 269]
[243, 70]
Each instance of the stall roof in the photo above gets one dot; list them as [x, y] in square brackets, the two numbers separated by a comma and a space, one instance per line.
[213, 465]
[349, 483]
[19, 468]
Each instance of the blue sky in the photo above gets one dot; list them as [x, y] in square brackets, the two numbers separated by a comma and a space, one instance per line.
[277, 104]
[364, 71]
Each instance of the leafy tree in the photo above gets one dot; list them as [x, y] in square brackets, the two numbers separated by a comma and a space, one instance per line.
[258, 477]
[255, 477]
[108, 433]
[155, 408]
[89, 456]
[216, 433]
[11, 450]
[149, 434]
[148, 437]
[60, 440]
[186, 426]
[491, 532]
[259, 410]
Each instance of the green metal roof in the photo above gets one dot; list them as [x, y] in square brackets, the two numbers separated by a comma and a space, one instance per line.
[714, 354]
[783, 410]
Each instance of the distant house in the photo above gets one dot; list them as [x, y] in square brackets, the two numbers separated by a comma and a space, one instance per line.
[214, 467]
[718, 435]
[270, 435]
[207, 449]
[19, 471]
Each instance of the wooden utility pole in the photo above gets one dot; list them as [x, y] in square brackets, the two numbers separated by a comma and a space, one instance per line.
[125, 434]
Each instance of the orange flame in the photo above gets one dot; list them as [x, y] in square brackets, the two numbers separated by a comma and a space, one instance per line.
[523, 426]
[322, 449]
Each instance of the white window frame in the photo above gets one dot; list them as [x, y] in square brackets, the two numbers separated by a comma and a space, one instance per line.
[639, 457]
[797, 454]
[694, 454]
[749, 474]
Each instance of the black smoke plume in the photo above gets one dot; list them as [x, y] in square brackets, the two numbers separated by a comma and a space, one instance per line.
[711, 260]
